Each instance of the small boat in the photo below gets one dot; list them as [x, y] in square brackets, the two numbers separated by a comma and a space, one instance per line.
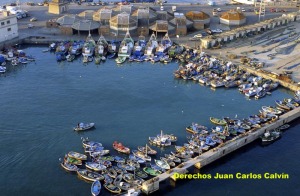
[95, 166]
[112, 188]
[162, 164]
[128, 177]
[218, 121]
[97, 60]
[126, 167]
[123, 185]
[96, 188]
[68, 166]
[137, 159]
[84, 126]
[271, 110]
[141, 155]
[120, 148]
[282, 105]
[112, 172]
[284, 127]
[72, 160]
[151, 171]
[89, 175]
[119, 159]
[141, 174]
[77, 155]
[89, 46]
[120, 59]
[112, 55]
[86, 143]
[270, 136]
[70, 58]
[147, 150]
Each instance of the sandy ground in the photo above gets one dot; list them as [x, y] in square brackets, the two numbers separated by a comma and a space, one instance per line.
[261, 47]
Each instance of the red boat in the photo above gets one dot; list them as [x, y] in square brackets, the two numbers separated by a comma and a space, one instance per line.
[120, 148]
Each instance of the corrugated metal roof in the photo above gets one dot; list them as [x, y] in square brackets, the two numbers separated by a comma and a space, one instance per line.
[87, 14]
[85, 25]
[66, 20]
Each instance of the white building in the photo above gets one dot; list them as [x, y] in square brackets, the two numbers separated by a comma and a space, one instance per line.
[8, 27]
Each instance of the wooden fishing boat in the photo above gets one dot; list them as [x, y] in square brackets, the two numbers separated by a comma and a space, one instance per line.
[141, 155]
[125, 167]
[218, 121]
[119, 159]
[68, 167]
[171, 163]
[107, 158]
[89, 46]
[126, 46]
[87, 143]
[112, 172]
[89, 175]
[140, 174]
[128, 177]
[112, 188]
[120, 148]
[96, 188]
[282, 105]
[118, 178]
[72, 160]
[95, 166]
[147, 150]
[270, 136]
[271, 110]
[133, 163]
[151, 171]
[123, 185]
[77, 155]
[84, 126]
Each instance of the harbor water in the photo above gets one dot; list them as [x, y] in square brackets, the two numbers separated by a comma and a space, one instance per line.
[41, 102]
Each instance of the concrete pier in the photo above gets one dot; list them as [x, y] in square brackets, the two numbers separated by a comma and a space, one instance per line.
[220, 151]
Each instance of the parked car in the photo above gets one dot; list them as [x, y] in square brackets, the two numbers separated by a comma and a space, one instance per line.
[243, 10]
[219, 9]
[217, 30]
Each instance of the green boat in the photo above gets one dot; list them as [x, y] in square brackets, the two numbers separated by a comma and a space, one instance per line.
[151, 171]
[121, 59]
[107, 158]
[73, 161]
[218, 121]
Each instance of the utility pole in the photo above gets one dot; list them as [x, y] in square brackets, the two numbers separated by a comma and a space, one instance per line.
[262, 10]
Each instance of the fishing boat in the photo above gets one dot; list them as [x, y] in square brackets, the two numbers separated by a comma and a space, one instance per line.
[218, 121]
[2, 69]
[147, 150]
[128, 177]
[137, 159]
[162, 164]
[141, 174]
[112, 188]
[133, 163]
[112, 172]
[101, 48]
[270, 136]
[89, 175]
[70, 57]
[68, 166]
[126, 46]
[89, 46]
[76, 48]
[160, 141]
[77, 155]
[151, 171]
[120, 59]
[125, 167]
[139, 47]
[120, 148]
[72, 161]
[271, 110]
[96, 188]
[123, 185]
[86, 143]
[119, 159]
[282, 105]
[95, 166]
[164, 45]
[170, 162]
[141, 155]
[84, 126]
[112, 49]
[151, 45]
[195, 128]
[52, 46]
[284, 127]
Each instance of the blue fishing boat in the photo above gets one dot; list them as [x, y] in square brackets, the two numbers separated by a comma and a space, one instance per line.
[96, 188]
[76, 48]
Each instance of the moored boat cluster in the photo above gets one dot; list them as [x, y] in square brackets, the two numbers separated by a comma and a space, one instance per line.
[217, 73]
[128, 172]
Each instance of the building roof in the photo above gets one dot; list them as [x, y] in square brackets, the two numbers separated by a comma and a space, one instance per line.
[87, 14]
[67, 20]
[161, 26]
[124, 8]
[233, 15]
[85, 25]
[123, 18]
[102, 14]
[197, 15]
[141, 13]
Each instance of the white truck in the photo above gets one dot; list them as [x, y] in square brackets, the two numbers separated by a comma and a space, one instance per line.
[174, 8]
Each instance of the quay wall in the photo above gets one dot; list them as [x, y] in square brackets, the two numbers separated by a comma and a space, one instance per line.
[291, 86]
[218, 152]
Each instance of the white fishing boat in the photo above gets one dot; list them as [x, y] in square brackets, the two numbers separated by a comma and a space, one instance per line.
[151, 45]
[89, 46]
[84, 126]
[164, 45]
[126, 46]
[101, 48]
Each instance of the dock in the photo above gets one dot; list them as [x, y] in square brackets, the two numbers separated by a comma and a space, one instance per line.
[208, 157]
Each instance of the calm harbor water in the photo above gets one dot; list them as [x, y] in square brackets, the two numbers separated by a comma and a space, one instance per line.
[42, 101]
